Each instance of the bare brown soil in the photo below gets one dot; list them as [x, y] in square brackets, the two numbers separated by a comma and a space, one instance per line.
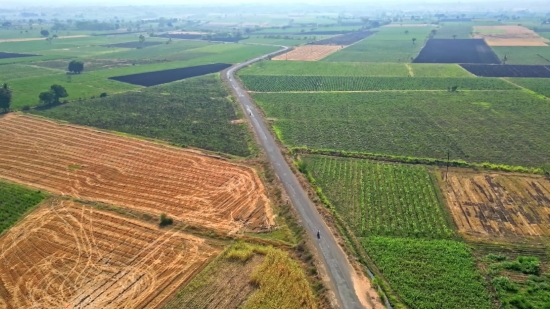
[133, 173]
[509, 36]
[506, 206]
[67, 255]
[39, 39]
[223, 284]
[309, 52]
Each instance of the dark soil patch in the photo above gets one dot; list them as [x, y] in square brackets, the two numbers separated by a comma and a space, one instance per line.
[457, 51]
[508, 70]
[15, 55]
[167, 76]
[344, 39]
[134, 44]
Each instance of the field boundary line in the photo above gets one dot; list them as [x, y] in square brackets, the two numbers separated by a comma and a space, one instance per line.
[523, 88]
[361, 91]
[411, 72]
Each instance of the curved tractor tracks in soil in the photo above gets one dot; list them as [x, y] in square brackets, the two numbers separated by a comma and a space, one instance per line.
[340, 271]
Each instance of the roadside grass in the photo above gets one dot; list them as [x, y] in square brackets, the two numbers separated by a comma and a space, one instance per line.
[194, 112]
[15, 201]
[474, 126]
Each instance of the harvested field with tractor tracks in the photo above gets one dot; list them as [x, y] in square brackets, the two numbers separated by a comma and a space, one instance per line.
[498, 205]
[133, 173]
[68, 255]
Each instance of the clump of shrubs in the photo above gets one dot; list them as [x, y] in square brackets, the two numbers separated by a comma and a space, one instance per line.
[165, 220]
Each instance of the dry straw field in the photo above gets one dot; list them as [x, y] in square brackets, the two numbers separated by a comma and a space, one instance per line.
[509, 36]
[132, 173]
[505, 206]
[67, 255]
[309, 52]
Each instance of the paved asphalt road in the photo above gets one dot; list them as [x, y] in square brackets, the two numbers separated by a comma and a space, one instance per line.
[333, 257]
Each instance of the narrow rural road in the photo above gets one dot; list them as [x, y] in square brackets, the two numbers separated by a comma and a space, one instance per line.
[336, 262]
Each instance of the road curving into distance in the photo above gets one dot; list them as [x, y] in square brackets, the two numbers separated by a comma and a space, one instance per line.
[334, 259]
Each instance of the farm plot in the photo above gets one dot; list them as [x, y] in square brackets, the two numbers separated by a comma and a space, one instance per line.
[16, 71]
[457, 51]
[504, 206]
[438, 70]
[320, 68]
[374, 49]
[539, 71]
[262, 83]
[167, 76]
[454, 31]
[133, 44]
[4, 55]
[132, 173]
[430, 274]
[509, 36]
[381, 199]
[539, 85]
[524, 55]
[68, 255]
[15, 200]
[194, 112]
[475, 126]
[344, 39]
[308, 53]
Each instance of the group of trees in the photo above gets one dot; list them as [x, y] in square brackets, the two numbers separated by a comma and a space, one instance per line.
[5, 97]
[53, 95]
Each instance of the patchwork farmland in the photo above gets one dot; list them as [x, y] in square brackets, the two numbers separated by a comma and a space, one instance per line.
[457, 51]
[132, 173]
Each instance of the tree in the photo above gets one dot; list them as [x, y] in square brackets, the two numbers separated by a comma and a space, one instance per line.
[454, 36]
[55, 93]
[504, 59]
[141, 38]
[414, 40]
[76, 66]
[5, 97]
[45, 33]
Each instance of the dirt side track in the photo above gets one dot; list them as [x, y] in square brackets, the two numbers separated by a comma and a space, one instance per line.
[67, 255]
[132, 173]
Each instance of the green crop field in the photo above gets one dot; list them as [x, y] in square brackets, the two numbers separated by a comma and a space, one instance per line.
[318, 68]
[430, 274]
[438, 70]
[10, 72]
[370, 50]
[402, 33]
[475, 126]
[539, 85]
[178, 113]
[381, 199]
[86, 85]
[524, 55]
[448, 30]
[263, 83]
[15, 201]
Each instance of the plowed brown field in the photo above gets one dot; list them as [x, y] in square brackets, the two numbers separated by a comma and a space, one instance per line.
[67, 255]
[499, 205]
[309, 52]
[509, 36]
[132, 173]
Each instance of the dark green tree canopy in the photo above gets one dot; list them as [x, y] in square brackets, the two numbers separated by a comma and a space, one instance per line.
[44, 32]
[5, 97]
[55, 93]
[76, 66]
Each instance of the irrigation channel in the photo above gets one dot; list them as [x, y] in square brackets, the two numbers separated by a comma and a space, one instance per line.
[334, 259]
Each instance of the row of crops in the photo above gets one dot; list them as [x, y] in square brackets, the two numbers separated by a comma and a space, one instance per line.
[263, 83]
[381, 199]
[177, 113]
[14, 202]
[430, 274]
